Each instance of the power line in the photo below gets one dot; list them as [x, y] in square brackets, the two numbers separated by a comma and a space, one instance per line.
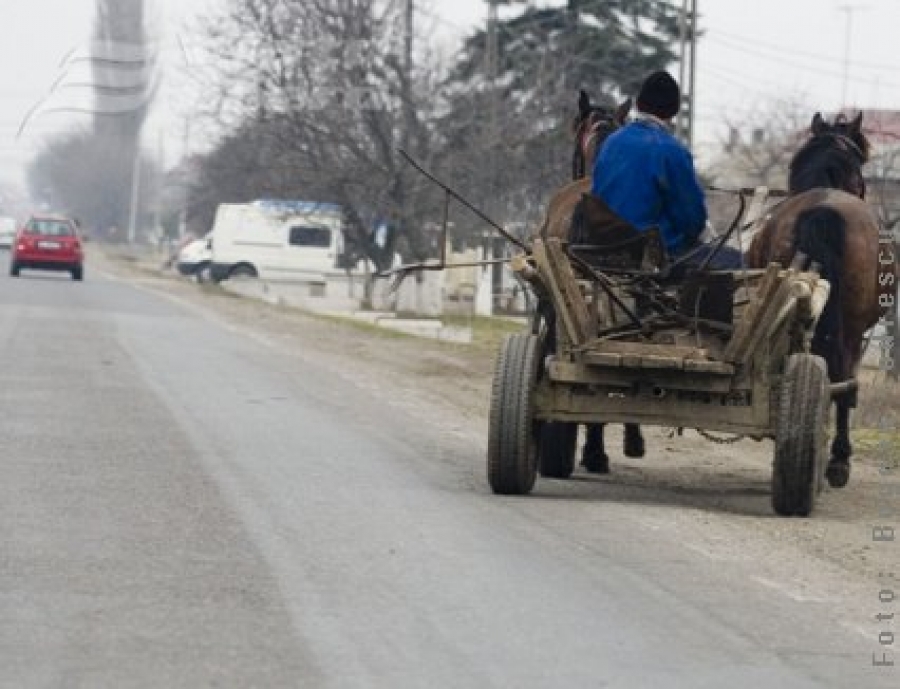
[818, 57]
[761, 87]
[806, 68]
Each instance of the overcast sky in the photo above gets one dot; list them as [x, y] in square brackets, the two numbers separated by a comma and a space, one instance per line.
[752, 53]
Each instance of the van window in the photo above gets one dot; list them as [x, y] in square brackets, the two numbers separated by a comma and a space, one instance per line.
[310, 236]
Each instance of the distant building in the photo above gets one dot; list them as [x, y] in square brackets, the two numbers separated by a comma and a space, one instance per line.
[882, 127]
[758, 158]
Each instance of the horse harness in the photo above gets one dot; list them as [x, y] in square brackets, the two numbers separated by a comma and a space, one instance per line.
[846, 144]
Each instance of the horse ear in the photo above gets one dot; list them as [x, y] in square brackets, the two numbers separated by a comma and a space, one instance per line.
[818, 125]
[584, 103]
[623, 110]
[856, 123]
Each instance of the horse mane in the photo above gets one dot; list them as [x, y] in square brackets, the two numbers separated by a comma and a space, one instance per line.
[832, 157]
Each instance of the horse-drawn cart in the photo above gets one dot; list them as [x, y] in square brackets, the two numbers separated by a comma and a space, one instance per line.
[621, 336]
[619, 339]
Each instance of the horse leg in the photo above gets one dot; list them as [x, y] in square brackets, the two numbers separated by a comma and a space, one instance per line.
[838, 472]
[845, 360]
[634, 441]
[593, 456]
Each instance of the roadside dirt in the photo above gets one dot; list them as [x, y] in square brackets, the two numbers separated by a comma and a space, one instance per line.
[714, 498]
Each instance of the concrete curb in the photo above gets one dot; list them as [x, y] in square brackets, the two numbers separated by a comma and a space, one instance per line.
[290, 295]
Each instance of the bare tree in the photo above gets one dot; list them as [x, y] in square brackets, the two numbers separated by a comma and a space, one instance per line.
[317, 95]
[81, 174]
[758, 148]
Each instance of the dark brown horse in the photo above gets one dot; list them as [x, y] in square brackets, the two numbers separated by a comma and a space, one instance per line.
[590, 128]
[825, 225]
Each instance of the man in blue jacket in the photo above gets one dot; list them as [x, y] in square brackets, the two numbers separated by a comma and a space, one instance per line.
[647, 177]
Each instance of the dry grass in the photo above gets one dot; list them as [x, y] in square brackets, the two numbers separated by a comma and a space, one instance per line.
[879, 401]
[487, 333]
[876, 422]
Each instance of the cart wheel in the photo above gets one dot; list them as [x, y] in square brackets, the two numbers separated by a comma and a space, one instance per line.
[512, 430]
[557, 449]
[800, 436]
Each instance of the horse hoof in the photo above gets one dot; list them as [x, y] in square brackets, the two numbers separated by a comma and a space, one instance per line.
[838, 474]
[634, 447]
[596, 464]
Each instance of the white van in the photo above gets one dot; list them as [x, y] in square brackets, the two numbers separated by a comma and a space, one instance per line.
[194, 257]
[276, 240]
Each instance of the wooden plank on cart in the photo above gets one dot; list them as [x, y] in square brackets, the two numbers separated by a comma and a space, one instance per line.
[603, 359]
[571, 306]
[705, 376]
[737, 346]
[646, 349]
[644, 355]
[655, 361]
[720, 368]
[768, 317]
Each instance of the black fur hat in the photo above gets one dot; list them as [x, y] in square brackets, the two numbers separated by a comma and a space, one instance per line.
[659, 96]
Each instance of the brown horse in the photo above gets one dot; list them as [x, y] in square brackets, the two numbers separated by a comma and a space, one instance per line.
[590, 128]
[825, 225]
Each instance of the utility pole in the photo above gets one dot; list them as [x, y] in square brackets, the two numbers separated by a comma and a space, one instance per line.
[687, 35]
[184, 176]
[402, 196]
[409, 15]
[489, 278]
[134, 198]
[848, 33]
[160, 179]
[569, 64]
[491, 59]
[693, 79]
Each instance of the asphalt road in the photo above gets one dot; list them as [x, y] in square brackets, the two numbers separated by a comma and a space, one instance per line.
[185, 504]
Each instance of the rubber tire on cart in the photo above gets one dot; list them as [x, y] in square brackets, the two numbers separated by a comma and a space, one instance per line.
[556, 449]
[799, 468]
[512, 430]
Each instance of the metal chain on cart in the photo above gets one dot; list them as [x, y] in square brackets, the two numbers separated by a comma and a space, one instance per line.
[706, 434]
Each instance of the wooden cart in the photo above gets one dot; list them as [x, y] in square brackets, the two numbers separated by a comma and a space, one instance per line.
[716, 351]
[619, 336]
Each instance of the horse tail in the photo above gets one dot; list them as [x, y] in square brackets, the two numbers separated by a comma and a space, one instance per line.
[820, 235]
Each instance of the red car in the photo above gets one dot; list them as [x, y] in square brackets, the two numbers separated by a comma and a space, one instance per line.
[48, 243]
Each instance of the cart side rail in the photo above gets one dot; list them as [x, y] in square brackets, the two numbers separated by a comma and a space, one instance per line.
[782, 296]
